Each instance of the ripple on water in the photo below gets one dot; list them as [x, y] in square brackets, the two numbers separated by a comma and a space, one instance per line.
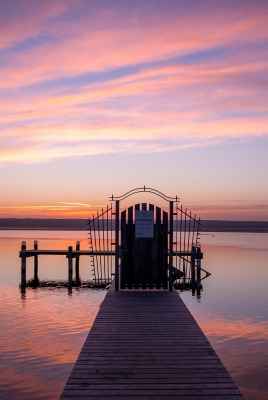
[41, 337]
[42, 333]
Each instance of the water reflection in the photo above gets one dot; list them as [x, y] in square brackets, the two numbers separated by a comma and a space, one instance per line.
[42, 337]
[233, 310]
[42, 332]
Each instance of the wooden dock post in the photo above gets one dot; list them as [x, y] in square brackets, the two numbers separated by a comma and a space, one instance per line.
[77, 277]
[198, 271]
[193, 283]
[170, 260]
[198, 267]
[70, 267]
[193, 267]
[117, 249]
[23, 266]
[36, 279]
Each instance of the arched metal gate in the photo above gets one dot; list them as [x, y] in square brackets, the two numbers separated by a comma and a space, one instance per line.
[145, 247]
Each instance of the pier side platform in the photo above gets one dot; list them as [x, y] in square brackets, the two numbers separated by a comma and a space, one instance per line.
[147, 345]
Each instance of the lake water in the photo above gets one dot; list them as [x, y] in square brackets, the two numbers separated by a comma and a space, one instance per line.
[43, 331]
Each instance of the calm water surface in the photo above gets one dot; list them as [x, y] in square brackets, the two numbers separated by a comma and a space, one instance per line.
[43, 331]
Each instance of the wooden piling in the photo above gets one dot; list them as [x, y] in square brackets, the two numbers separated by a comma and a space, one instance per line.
[198, 268]
[36, 262]
[117, 248]
[170, 286]
[193, 266]
[23, 266]
[70, 267]
[77, 259]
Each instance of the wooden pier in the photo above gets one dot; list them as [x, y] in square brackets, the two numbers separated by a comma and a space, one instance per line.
[147, 345]
[70, 254]
[144, 342]
[121, 243]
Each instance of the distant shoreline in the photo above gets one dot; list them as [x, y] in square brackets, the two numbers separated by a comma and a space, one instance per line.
[81, 225]
[41, 229]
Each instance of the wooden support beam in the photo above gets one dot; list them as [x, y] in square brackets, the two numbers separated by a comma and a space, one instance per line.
[170, 286]
[193, 266]
[198, 267]
[117, 249]
[36, 262]
[77, 276]
[70, 267]
[23, 266]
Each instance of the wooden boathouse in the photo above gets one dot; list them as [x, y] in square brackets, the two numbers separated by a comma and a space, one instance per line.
[144, 342]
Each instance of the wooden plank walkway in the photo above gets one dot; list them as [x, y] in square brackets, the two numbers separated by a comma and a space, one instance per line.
[148, 345]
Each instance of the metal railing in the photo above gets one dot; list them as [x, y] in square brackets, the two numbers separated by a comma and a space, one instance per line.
[101, 243]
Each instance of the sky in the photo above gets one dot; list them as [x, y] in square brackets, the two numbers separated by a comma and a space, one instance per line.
[98, 97]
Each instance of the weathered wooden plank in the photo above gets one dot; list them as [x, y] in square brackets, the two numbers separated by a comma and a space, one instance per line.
[153, 392]
[147, 345]
[139, 380]
[152, 369]
[142, 378]
[176, 352]
[33, 253]
[145, 397]
[146, 387]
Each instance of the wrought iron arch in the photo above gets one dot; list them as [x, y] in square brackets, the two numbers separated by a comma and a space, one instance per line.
[183, 248]
[143, 190]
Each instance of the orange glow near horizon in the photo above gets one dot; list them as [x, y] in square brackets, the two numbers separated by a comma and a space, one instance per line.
[68, 211]
[112, 95]
[83, 211]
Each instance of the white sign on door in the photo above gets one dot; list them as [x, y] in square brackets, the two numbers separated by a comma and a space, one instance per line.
[144, 224]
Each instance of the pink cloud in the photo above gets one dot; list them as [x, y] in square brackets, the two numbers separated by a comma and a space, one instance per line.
[103, 43]
[22, 20]
[160, 107]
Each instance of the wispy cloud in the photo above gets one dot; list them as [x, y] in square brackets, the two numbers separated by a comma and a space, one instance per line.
[55, 210]
[234, 211]
[82, 78]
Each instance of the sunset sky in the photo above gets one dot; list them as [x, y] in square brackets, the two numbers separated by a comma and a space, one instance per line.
[98, 97]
